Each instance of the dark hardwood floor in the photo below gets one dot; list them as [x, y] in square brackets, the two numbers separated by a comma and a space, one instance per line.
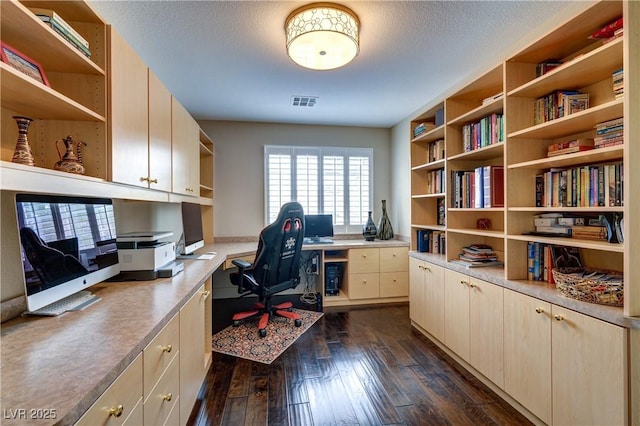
[355, 366]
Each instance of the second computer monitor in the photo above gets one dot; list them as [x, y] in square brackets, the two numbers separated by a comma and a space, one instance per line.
[318, 226]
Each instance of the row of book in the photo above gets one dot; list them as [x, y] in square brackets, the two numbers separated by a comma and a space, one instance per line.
[609, 133]
[435, 182]
[422, 128]
[545, 66]
[598, 185]
[431, 241]
[479, 188]
[435, 151]
[542, 258]
[559, 225]
[60, 26]
[488, 131]
[570, 146]
[618, 83]
[478, 255]
[559, 103]
[609, 32]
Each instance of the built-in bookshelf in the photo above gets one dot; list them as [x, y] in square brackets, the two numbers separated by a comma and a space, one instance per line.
[428, 178]
[567, 59]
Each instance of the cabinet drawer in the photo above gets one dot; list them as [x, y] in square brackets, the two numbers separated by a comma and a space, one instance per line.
[159, 353]
[394, 284]
[394, 259]
[364, 260]
[364, 286]
[162, 399]
[117, 403]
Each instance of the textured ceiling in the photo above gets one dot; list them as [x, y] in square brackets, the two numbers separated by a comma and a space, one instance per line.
[226, 60]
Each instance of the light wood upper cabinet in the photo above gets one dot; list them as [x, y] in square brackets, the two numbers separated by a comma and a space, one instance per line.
[159, 175]
[527, 352]
[185, 151]
[129, 115]
[589, 359]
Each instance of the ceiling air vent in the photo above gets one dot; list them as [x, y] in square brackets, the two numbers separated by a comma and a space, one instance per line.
[303, 101]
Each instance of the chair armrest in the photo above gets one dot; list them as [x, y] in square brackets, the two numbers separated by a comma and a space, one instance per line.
[242, 264]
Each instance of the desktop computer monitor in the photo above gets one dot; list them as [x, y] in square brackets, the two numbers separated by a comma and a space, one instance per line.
[192, 228]
[68, 244]
[318, 227]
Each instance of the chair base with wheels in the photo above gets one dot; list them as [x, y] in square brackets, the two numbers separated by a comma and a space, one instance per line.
[267, 311]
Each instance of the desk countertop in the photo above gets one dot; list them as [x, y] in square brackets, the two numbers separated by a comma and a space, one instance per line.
[65, 363]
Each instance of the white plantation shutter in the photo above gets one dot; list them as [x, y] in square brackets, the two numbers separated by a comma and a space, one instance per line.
[324, 180]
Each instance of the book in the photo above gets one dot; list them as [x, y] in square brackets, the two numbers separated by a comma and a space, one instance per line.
[493, 177]
[565, 257]
[608, 30]
[69, 39]
[53, 17]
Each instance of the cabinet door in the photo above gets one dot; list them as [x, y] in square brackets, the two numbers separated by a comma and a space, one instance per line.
[185, 151]
[128, 118]
[486, 344]
[193, 356]
[456, 313]
[589, 361]
[393, 259]
[527, 352]
[417, 293]
[364, 260]
[434, 295]
[159, 134]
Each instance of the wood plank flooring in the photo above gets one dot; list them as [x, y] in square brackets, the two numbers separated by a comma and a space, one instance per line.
[355, 366]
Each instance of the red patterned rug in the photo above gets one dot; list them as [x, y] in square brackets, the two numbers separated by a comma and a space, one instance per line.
[244, 342]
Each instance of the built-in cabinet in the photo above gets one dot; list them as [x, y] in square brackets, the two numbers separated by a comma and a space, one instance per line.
[161, 385]
[558, 364]
[426, 296]
[185, 152]
[368, 275]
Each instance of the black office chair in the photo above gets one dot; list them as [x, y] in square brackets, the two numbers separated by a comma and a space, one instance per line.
[276, 267]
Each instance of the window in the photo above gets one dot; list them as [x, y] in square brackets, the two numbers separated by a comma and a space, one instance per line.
[337, 181]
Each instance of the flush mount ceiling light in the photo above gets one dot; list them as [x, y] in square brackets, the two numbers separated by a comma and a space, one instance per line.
[322, 36]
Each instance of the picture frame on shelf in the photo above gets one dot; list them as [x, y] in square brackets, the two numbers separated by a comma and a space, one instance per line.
[22, 63]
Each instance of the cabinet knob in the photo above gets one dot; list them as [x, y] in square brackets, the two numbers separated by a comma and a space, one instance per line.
[206, 294]
[394, 255]
[364, 281]
[472, 285]
[167, 348]
[167, 397]
[395, 279]
[539, 310]
[364, 255]
[152, 180]
[421, 267]
[427, 269]
[558, 317]
[144, 179]
[463, 282]
[116, 411]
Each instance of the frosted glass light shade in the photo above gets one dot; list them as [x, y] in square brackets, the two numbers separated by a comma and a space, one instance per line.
[322, 36]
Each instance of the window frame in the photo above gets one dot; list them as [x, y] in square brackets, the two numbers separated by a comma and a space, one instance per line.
[321, 152]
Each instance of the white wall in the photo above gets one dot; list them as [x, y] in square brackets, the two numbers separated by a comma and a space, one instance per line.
[239, 166]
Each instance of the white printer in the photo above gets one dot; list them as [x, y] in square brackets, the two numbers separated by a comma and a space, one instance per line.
[143, 256]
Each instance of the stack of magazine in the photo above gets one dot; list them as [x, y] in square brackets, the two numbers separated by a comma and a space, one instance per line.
[478, 255]
[65, 30]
